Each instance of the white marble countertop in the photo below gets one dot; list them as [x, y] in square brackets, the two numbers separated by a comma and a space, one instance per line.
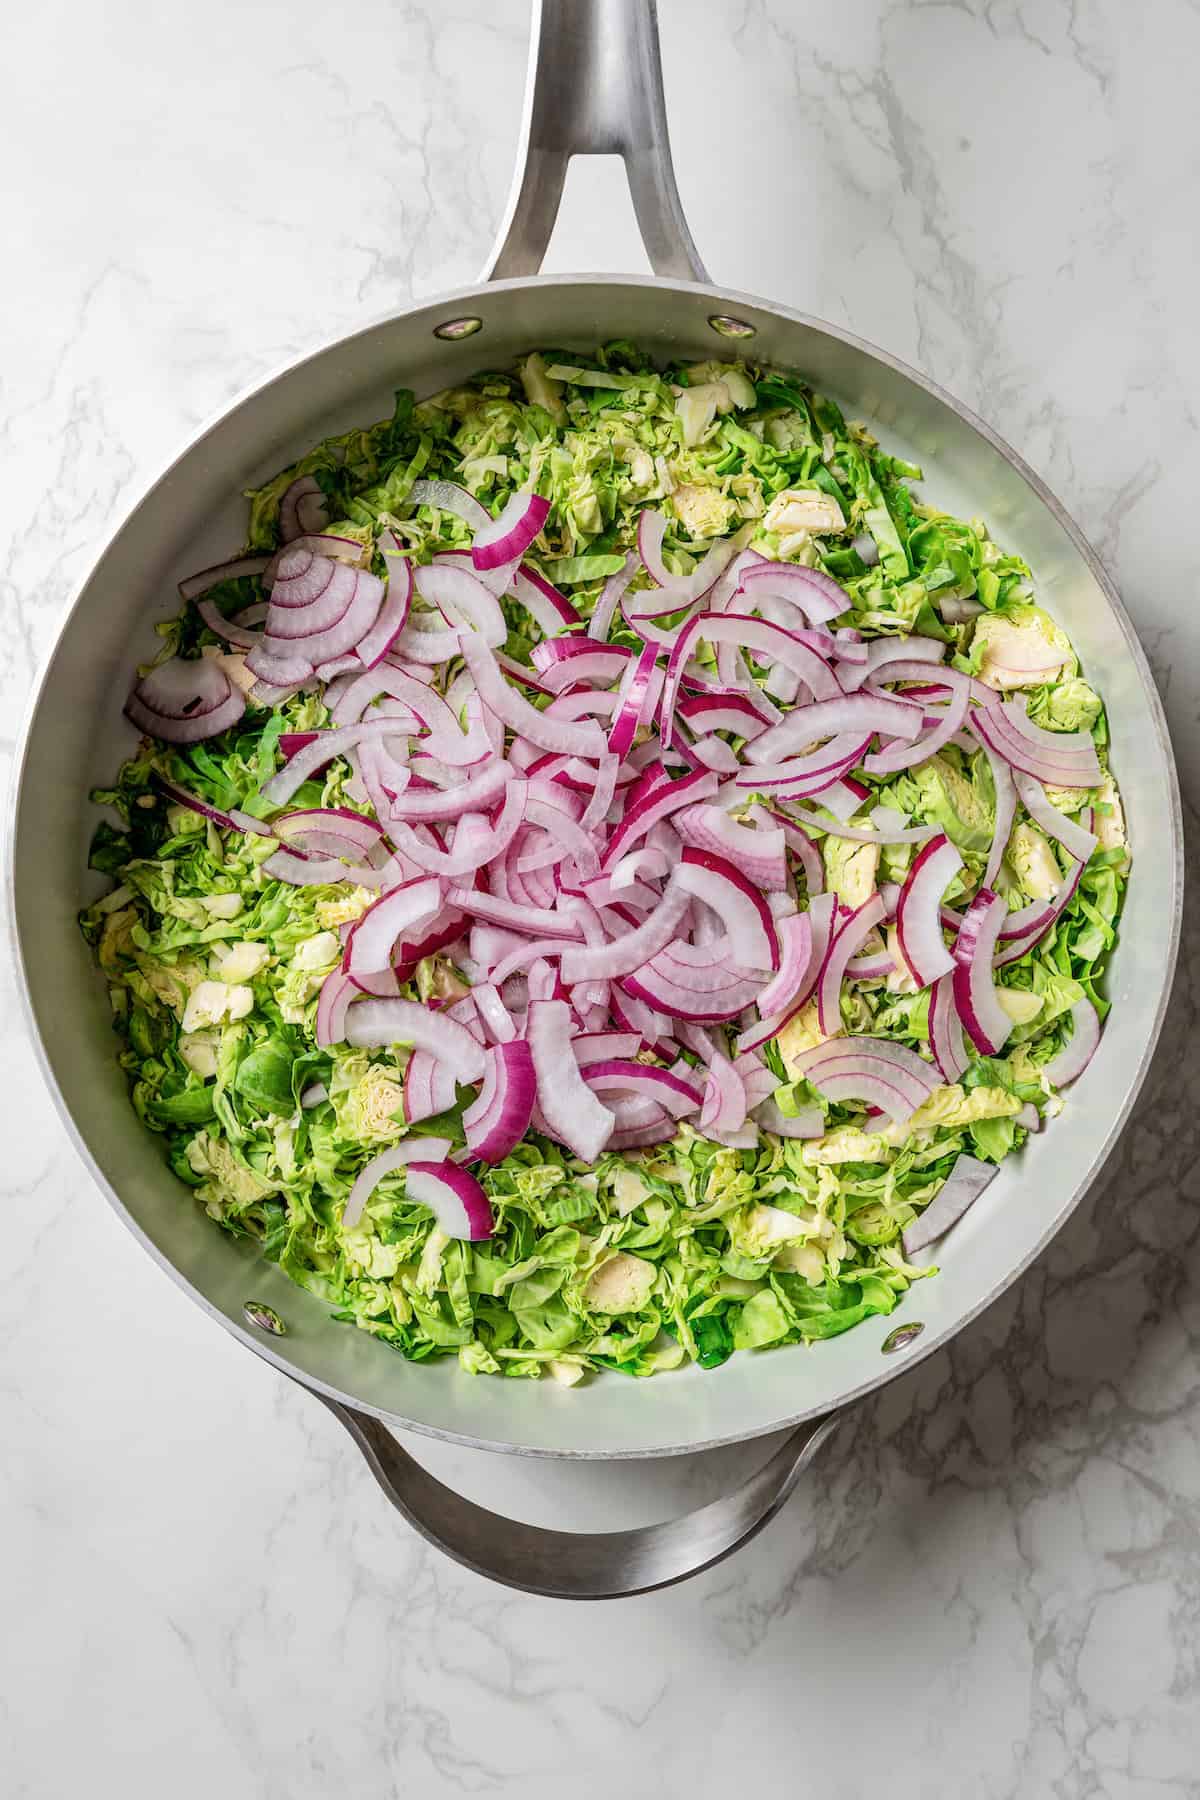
[991, 1587]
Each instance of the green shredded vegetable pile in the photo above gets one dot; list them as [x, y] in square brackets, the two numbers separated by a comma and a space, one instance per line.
[688, 1251]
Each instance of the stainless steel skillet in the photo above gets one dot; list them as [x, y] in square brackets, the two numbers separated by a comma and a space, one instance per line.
[595, 87]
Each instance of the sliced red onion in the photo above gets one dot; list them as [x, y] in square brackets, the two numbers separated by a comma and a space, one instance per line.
[860, 714]
[757, 1080]
[631, 1014]
[558, 659]
[373, 936]
[475, 841]
[724, 1107]
[676, 1094]
[640, 622]
[311, 593]
[200, 583]
[898, 755]
[181, 796]
[722, 712]
[638, 1137]
[698, 1039]
[809, 1122]
[1079, 1048]
[543, 982]
[600, 890]
[463, 599]
[918, 916]
[183, 702]
[627, 953]
[430, 1149]
[1078, 841]
[844, 798]
[782, 685]
[569, 839]
[497, 1121]
[766, 640]
[602, 1046]
[320, 748]
[815, 593]
[696, 983]
[297, 829]
[519, 715]
[1061, 758]
[550, 610]
[384, 984]
[302, 509]
[960, 1190]
[232, 632]
[421, 701]
[844, 944]
[801, 846]
[737, 902]
[280, 667]
[945, 1031]
[795, 961]
[984, 1019]
[333, 1003]
[497, 1021]
[869, 1068]
[570, 1109]
[477, 794]
[725, 588]
[1005, 792]
[682, 589]
[1022, 930]
[648, 861]
[957, 611]
[611, 595]
[304, 550]
[639, 696]
[507, 537]
[800, 776]
[821, 916]
[374, 1023]
[709, 752]
[658, 802]
[266, 695]
[856, 834]
[426, 644]
[441, 933]
[448, 497]
[363, 600]
[511, 914]
[851, 645]
[455, 1198]
[522, 955]
[302, 870]
[429, 1087]
[759, 852]
[392, 616]
[883, 651]
[871, 966]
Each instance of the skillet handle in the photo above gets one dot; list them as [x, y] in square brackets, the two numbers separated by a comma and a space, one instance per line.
[580, 1565]
[594, 88]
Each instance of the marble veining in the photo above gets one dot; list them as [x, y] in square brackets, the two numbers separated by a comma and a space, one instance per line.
[990, 1586]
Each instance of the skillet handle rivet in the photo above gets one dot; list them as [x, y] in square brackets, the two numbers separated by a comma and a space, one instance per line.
[724, 326]
[901, 1337]
[264, 1317]
[457, 328]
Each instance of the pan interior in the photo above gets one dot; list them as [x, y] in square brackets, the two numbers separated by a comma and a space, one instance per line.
[194, 516]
